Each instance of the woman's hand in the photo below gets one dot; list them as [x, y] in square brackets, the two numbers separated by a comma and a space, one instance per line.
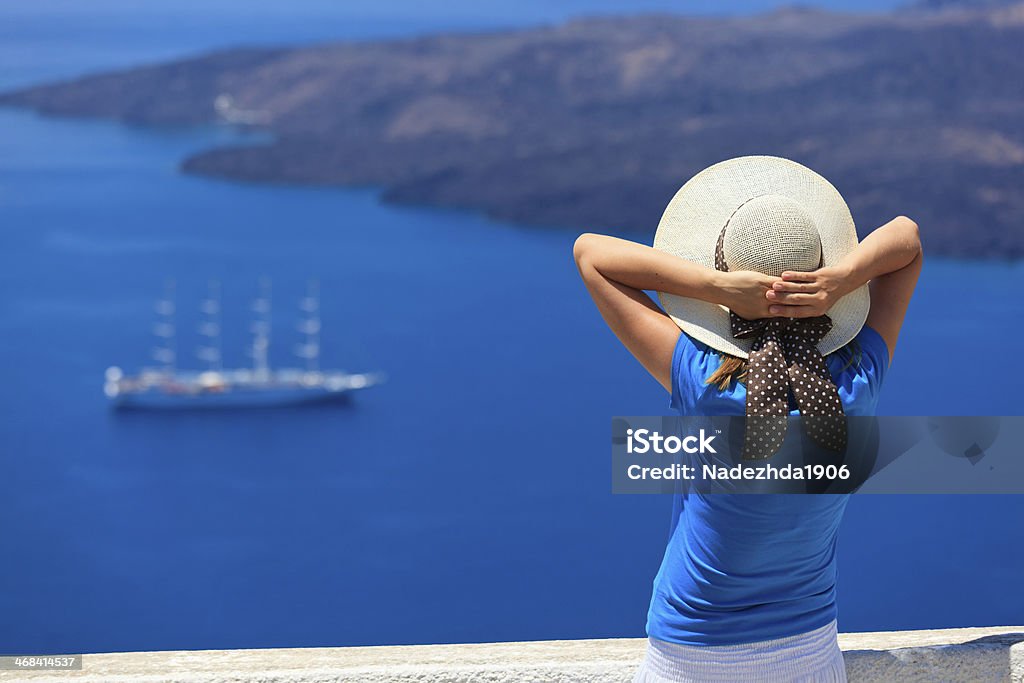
[807, 295]
[744, 292]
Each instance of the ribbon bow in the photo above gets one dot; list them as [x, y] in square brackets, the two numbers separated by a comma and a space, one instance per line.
[784, 357]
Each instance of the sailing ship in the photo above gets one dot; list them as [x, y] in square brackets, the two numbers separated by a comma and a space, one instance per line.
[168, 386]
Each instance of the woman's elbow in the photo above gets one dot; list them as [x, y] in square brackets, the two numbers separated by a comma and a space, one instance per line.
[583, 248]
[912, 231]
[907, 222]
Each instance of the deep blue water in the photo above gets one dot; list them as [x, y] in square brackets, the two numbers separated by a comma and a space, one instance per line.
[465, 500]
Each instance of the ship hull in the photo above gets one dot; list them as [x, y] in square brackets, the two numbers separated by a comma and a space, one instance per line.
[265, 398]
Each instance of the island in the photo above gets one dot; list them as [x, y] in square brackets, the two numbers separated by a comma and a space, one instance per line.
[594, 124]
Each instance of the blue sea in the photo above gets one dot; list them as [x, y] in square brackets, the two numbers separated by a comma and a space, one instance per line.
[465, 500]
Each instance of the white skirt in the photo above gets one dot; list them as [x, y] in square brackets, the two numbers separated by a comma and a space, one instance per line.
[812, 657]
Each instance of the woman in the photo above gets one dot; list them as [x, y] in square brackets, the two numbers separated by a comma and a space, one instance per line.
[766, 312]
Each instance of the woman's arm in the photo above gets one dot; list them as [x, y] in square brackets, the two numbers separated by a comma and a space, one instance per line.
[889, 258]
[616, 273]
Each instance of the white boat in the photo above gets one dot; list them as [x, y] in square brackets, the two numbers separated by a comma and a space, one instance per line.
[167, 386]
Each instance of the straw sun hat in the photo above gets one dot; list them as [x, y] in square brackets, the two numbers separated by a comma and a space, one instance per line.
[772, 215]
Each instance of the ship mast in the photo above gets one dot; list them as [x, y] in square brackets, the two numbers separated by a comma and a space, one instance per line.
[261, 331]
[310, 326]
[210, 327]
[166, 353]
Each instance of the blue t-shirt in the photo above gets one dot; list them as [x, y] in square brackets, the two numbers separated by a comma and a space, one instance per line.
[740, 568]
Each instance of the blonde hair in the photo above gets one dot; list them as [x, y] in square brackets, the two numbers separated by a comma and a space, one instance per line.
[734, 369]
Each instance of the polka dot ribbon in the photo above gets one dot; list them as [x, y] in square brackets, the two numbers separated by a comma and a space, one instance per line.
[784, 358]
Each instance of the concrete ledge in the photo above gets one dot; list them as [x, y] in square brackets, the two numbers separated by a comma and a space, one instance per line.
[972, 655]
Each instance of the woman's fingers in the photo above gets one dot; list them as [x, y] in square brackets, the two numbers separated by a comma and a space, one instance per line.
[797, 276]
[797, 298]
[784, 286]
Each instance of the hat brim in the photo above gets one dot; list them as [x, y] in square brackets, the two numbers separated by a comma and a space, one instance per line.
[694, 218]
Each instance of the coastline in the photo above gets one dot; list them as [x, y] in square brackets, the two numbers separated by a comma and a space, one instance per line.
[595, 123]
